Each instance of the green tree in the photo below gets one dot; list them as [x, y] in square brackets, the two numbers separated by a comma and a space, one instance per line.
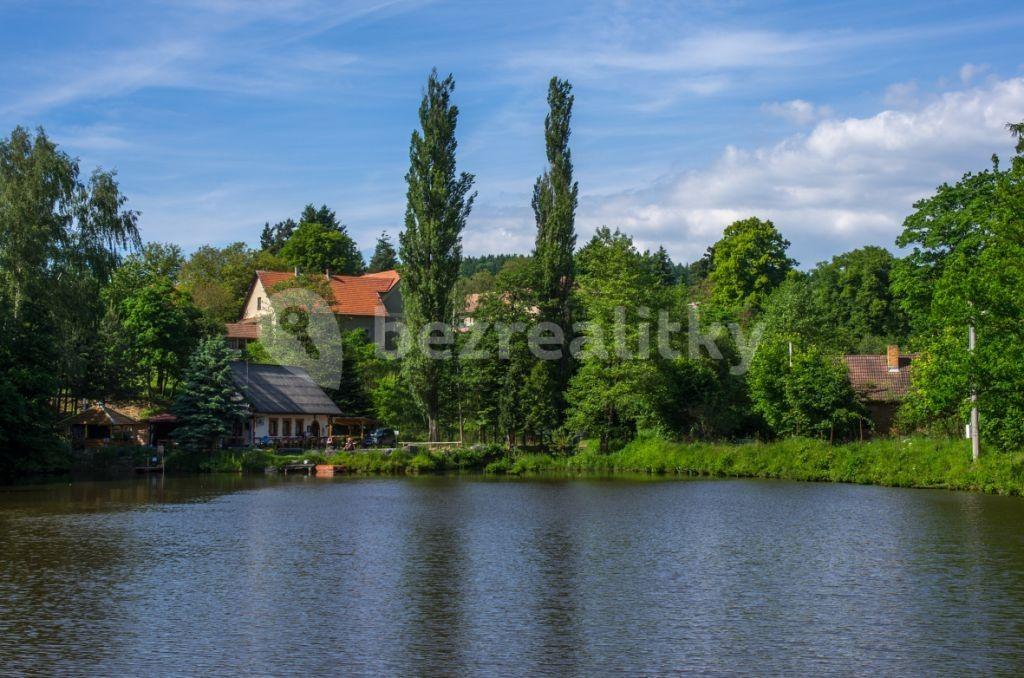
[61, 237]
[812, 396]
[438, 203]
[384, 258]
[964, 269]
[273, 238]
[554, 208]
[618, 388]
[316, 248]
[749, 262]
[506, 391]
[161, 326]
[218, 278]
[322, 215]
[393, 403]
[661, 263]
[152, 263]
[492, 263]
[209, 403]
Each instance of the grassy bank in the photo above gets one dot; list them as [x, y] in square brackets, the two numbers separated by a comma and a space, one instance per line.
[361, 462]
[913, 462]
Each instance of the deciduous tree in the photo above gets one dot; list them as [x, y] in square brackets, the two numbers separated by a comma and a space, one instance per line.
[438, 203]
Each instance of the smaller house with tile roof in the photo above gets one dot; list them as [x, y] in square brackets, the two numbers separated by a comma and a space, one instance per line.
[881, 382]
[358, 301]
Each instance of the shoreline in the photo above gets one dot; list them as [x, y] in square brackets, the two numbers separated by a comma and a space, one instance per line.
[925, 463]
[917, 462]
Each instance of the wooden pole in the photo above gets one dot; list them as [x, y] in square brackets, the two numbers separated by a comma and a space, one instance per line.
[975, 434]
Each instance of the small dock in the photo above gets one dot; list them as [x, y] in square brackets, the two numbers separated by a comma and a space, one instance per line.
[304, 467]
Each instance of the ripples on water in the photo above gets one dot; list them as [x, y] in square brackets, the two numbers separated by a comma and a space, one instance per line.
[466, 575]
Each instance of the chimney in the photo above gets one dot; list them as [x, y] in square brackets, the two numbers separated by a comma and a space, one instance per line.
[892, 357]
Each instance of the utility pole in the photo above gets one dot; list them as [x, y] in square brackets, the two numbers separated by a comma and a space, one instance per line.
[975, 437]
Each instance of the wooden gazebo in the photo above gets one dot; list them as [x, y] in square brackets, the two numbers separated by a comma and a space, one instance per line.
[351, 426]
[101, 425]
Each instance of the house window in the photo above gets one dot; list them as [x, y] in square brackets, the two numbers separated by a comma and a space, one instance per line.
[272, 427]
[286, 427]
[299, 430]
[259, 303]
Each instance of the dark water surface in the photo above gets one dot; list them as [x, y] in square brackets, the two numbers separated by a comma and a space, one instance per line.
[465, 575]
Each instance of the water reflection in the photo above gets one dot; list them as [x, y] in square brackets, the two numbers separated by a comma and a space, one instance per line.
[239, 574]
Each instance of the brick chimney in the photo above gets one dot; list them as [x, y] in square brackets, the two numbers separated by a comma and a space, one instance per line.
[892, 357]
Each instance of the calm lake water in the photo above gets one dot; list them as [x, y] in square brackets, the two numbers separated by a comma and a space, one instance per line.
[450, 575]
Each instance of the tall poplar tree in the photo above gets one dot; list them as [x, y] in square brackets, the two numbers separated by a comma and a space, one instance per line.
[554, 206]
[438, 202]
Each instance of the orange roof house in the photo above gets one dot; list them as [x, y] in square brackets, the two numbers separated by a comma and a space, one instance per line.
[881, 382]
[357, 300]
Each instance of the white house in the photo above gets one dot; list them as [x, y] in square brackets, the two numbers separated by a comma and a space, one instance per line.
[358, 301]
[284, 403]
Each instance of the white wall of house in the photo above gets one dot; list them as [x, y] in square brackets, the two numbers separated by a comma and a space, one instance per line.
[261, 424]
[258, 302]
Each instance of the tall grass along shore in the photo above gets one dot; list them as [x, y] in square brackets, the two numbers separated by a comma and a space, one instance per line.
[908, 462]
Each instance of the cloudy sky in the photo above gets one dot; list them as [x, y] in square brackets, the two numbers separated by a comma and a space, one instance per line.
[828, 118]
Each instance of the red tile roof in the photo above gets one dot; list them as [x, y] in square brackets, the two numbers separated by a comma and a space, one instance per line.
[245, 329]
[873, 381]
[472, 303]
[353, 294]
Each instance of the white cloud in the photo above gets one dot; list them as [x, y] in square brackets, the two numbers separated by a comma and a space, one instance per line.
[844, 184]
[901, 95]
[704, 52]
[798, 111]
[220, 46]
[968, 72]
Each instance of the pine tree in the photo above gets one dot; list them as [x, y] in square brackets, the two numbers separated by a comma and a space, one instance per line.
[384, 256]
[273, 238]
[438, 203]
[662, 265]
[554, 207]
[209, 403]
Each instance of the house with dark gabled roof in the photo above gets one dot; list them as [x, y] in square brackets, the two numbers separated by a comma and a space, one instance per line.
[285, 404]
[882, 383]
[358, 301]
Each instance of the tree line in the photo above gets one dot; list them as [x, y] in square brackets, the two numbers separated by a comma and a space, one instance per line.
[90, 312]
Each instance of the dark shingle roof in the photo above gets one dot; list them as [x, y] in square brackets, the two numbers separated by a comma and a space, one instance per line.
[873, 381]
[281, 389]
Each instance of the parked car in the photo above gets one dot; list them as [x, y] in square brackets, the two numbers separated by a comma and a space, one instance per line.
[380, 437]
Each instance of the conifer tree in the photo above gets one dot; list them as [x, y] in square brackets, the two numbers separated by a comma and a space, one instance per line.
[438, 203]
[384, 256]
[209, 403]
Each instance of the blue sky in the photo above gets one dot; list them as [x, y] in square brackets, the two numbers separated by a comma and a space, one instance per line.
[219, 115]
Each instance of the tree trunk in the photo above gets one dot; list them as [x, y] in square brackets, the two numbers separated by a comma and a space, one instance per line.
[432, 428]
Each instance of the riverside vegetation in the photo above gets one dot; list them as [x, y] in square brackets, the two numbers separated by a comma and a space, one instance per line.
[90, 312]
[918, 462]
